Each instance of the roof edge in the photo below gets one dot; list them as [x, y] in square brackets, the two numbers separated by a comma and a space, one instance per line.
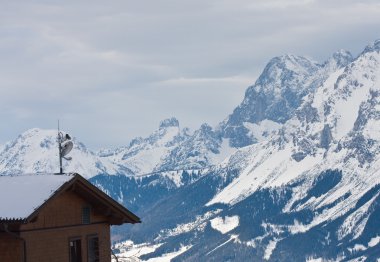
[102, 196]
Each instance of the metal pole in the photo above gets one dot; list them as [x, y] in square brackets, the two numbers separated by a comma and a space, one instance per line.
[60, 150]
[60, 158]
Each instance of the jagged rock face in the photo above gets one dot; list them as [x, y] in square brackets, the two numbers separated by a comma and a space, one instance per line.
[340, 59]
[326, 137]
[170, 122]
[278, 92]
[195, 152]
[363, 140]
[275, 96]
[373, 47]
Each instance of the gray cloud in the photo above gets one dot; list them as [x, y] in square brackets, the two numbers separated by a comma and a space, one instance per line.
[112, 70]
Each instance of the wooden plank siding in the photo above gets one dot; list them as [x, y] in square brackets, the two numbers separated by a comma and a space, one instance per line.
[44, 236]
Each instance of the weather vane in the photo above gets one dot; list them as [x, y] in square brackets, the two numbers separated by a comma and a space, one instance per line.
[65, 145]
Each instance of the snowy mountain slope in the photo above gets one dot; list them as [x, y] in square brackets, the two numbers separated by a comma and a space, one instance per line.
[144, 155]
[169, 149]
[146, 189]
[309, 191]
[36, 151]
[345, 138]
[277, 93]
[202, 149]
[346, 106]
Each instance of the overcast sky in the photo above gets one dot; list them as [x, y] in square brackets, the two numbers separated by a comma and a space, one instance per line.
[111, 70]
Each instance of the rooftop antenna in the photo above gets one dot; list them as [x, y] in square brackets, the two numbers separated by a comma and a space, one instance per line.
[65, 145]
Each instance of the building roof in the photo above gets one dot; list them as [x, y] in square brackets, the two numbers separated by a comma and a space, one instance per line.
[22, 197]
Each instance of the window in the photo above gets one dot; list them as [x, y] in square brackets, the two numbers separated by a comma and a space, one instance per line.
[86, 214]
[75, 250]
[93, 248]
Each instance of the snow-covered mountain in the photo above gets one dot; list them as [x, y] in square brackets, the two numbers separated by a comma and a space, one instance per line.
[143, 155]
[291, 175]
[169, 149]
[277, 93]
[202, 149]
[267, 105]
[36, 151]
[308, 191]
[341, 132]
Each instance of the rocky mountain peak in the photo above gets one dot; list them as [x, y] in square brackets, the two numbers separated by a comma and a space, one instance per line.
[340, 58]
[169, 122]
[205, 128]
[281, 70]
[373, 47]
[275, 96]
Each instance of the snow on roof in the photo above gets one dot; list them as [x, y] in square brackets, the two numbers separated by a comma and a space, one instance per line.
[20, 195]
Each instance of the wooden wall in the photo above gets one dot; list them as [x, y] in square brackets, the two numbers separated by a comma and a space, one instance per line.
[11, 248]
[47, 239]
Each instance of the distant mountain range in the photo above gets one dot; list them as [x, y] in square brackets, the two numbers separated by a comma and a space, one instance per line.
[293, 174]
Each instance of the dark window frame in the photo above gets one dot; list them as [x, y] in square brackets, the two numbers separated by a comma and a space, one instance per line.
[79, 257]
[93, 257]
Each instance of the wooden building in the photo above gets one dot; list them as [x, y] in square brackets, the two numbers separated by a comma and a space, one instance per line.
[56, 218]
